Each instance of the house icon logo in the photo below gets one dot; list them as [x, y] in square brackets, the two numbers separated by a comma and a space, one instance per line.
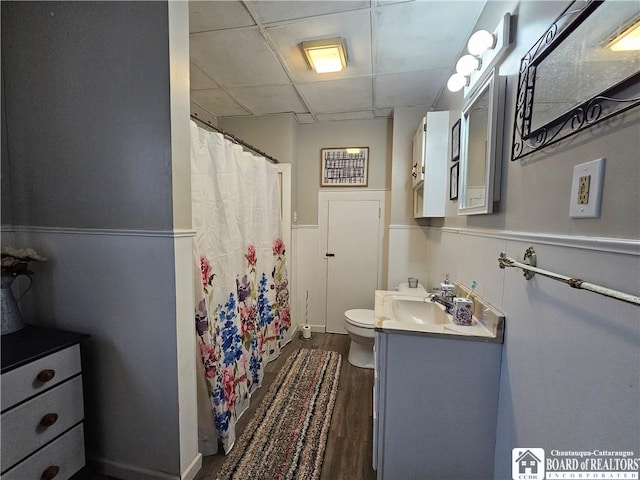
[527, 464]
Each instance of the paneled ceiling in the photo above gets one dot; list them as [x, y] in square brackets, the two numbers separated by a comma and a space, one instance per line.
[246, 58]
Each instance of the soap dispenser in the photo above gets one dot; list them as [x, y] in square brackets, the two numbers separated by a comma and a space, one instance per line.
[447, 291]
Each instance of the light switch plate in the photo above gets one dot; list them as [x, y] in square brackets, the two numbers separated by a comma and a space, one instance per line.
[586, 189]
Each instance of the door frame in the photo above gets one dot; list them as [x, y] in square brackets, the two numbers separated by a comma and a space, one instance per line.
[284, 180]
[324, 197]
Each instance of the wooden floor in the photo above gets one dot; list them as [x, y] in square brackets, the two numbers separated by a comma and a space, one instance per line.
[350, 441]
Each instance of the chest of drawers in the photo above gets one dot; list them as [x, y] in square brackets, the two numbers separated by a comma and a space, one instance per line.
[42, 434]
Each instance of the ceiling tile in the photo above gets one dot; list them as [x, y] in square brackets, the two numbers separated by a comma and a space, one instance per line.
[409, 89]
[422, 35]
[304, 118]
[351, 94]
[269, 12]
[199, 80]
[202, 113]
[412, 46]
[269, 99]
[331, 117]
[217, 102]
[236, 58]
[354, 27]
[205, 16]
[383, 112]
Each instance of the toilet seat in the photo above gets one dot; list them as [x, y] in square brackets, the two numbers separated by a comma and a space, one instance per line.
[360, 317]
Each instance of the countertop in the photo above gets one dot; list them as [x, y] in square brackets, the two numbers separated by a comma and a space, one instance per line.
[488, 322]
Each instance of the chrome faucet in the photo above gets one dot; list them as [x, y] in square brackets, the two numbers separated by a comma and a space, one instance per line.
[447, 304]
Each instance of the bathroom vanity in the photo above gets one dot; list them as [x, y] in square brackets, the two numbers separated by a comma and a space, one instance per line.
[435, 396]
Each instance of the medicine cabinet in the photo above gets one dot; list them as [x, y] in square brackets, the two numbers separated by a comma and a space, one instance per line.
[481, 147]
[430, 166]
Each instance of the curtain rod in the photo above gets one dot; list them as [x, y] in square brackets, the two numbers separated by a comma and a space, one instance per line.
[234, 138]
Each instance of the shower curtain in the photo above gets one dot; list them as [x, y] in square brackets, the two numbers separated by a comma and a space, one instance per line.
[242, 316]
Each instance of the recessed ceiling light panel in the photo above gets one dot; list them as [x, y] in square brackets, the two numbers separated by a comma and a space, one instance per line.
[325, 56]
[628, 39]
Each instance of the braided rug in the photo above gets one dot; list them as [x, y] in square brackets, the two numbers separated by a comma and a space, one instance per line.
[287, 436]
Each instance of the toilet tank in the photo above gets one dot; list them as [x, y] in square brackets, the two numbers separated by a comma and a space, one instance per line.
[404, 288]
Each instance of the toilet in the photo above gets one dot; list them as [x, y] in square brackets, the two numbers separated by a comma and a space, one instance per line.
[359, 324]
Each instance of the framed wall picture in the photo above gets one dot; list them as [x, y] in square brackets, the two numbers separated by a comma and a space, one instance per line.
[455, 142]
[453, 182]
[344, 167]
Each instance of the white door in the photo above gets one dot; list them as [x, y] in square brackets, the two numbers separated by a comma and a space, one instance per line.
[352, 255]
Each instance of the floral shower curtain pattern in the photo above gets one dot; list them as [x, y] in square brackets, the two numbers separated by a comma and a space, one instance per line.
[242, 301]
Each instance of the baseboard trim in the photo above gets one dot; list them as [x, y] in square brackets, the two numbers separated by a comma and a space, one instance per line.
[193, 468]
[126, 471]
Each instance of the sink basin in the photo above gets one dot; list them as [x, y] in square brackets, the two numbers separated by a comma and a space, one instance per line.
[418, 312]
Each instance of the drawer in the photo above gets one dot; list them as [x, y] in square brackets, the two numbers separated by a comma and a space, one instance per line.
[22, 427]
[66, 453]
[23, 382]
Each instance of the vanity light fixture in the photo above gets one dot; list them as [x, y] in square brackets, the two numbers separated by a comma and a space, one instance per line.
[480, 42]
[467, 64]
[325, 56]
[629, 39]
[486, 49]
[457, 82]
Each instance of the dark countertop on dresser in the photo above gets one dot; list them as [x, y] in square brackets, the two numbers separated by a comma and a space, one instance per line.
[31, 343]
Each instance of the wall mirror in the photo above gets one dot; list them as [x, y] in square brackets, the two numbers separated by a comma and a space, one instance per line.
[579, 73]
[481, 147]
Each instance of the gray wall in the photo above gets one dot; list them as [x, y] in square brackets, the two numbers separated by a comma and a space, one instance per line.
[405, 124]
[535, 192]
[89, 142]
[569, 378]
[96, 150]
[375, 134]
[5, 217]
[281, 137]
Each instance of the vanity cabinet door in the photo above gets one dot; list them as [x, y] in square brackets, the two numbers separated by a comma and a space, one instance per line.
[437, 397]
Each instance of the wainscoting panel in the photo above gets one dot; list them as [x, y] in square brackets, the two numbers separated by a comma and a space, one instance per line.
[407, 255]
[129, 290]
[569, 378]
[308, 274]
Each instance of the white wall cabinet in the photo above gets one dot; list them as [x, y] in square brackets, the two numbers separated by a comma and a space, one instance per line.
[431, 147]
[435, 407]
[417, 163]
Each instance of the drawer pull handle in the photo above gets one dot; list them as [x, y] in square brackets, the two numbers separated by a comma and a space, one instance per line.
[46, 375]
[50, 472]
[49, 419]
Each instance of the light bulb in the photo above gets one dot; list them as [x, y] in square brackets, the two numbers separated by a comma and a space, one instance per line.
[480, 42]
[467, 64]
[457, 82]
